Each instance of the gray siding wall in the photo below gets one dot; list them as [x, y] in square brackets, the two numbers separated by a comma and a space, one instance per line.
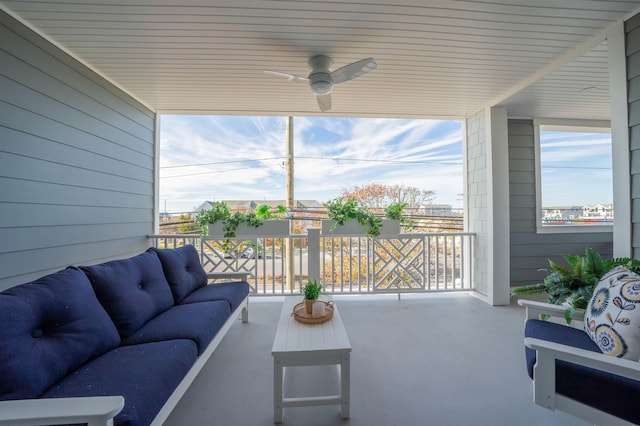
[530, 250]
[76, 162]
[632, 30]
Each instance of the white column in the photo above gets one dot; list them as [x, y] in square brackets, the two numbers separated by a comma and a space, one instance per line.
[620, 141]
[498, 253]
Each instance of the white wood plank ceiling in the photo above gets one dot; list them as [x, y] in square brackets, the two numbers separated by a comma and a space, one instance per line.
[436, 59]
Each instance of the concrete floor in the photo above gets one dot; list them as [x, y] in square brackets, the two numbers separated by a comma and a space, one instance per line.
[424, 360]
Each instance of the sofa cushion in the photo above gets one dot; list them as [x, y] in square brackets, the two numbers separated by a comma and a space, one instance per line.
[233, 292]
[612, 317]
[199, 322]
[49, 328]
[182, 269]
[608, 392]
[145, 375]
[557, 333]
[132, 290]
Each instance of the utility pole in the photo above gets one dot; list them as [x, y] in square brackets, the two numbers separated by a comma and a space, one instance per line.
[290, 263]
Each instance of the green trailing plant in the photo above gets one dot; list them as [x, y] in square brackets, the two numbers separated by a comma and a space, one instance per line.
[311, 290]
[394, 211]
[574, 284]
[263, 211]
[231, 224]
[340, 211]
[219, 212]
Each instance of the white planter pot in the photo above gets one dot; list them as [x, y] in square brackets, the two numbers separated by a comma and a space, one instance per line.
[215, 229]
[269, 228]
[353, 227]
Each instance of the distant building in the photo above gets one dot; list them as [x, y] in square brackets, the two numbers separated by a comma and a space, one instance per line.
[599, 210]
[435, 210]
[590, 214]
[562, 212]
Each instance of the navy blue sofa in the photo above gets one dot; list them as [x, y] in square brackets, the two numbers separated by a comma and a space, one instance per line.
[571, 374]
[139, 328]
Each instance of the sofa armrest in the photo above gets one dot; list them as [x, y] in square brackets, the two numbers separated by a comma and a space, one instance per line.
[544, 373]
[95, 411]
[241, 276]
[534, 310]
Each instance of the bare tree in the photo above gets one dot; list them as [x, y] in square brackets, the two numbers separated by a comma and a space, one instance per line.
[377, 195]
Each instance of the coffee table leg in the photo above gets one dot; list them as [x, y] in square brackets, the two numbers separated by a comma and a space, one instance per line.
[277, 390]
[345, 375]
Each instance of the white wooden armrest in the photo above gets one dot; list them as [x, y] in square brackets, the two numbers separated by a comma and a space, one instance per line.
[242, 276]
[550, 351]
[534, 310]
[544, 375]
[95, 411]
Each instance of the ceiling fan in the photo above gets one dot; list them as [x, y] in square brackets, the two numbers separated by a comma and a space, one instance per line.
[321, 79]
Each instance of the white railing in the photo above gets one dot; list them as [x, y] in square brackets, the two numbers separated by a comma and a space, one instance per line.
[424, 262]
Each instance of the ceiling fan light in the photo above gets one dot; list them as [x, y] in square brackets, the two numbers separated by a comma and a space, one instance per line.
[320, 83]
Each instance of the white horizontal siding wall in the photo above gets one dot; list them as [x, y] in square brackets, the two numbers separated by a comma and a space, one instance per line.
[530, 250]
[76, 162]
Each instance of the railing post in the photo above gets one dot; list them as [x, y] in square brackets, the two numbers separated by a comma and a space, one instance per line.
[313, 254]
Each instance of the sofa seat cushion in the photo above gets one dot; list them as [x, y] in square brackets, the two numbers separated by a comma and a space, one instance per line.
[132, 290]
[182, 269]
[199, 322]
[49, 328]
[557, 333]
[233, 292]
[145, 375]
[608, 392]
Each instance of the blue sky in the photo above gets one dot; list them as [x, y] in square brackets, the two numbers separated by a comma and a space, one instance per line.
[576, 168]
[230, 157]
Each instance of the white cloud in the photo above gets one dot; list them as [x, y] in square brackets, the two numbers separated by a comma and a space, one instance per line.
[242, 157]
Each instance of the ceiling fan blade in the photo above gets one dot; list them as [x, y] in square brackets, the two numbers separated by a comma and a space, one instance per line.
[324, 102]
[353, 70]
[290, 77]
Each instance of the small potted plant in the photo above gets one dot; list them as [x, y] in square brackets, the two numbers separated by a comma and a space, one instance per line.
[311, 293]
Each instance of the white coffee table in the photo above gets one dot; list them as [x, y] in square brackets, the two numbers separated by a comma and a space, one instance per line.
[298, 344]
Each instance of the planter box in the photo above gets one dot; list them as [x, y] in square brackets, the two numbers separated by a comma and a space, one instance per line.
[270, 228]
[353, 227]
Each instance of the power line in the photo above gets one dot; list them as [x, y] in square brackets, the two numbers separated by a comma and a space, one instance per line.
[206, 173]
[367, 160]
[220, 162]
[371, 160]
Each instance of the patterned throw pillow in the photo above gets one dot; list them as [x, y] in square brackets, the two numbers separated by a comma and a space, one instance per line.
[612, 318]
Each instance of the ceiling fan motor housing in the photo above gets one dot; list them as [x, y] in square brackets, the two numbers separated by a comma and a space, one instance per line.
[320, 83]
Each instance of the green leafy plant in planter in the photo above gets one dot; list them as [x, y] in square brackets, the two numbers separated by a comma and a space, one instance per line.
[574, 284]
[394, 211]
[232, 223]
[341, 211]
[218, 213]
[263, 211]
[311, 293]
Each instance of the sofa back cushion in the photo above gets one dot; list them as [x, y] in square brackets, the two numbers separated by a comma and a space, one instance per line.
[182, 269]
[132, 290]
[48, 329]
